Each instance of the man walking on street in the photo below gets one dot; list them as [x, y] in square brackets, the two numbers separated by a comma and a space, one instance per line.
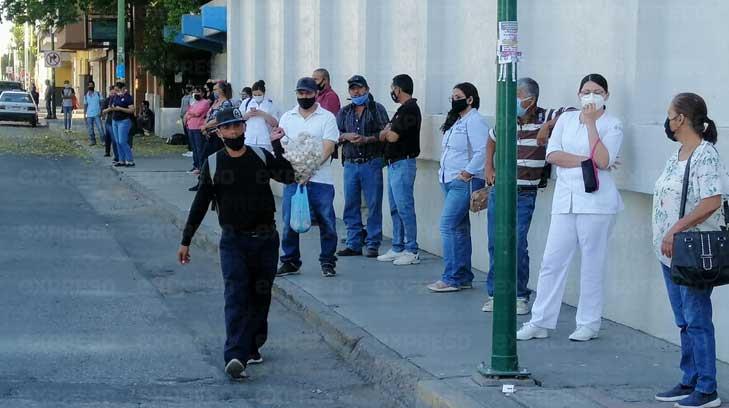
[312, 118]
[92, 113]
[327, 98]
[402, 147]
[238, 177]
[359, 125]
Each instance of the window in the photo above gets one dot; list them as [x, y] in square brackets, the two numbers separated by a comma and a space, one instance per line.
[16, 98]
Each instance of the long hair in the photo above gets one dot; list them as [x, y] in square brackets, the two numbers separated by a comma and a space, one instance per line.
[470, 91]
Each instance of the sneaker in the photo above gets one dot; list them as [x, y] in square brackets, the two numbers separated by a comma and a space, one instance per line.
[488, 305]
[442, 287]
[193, 188]
[389, 256]
[372, 253]
[92, 143]
[468, 285]
[107, 155]
[130, 164]
[676, 393]
[196, 172]
[120, 164]
[349, 252]
[288, 269]
[255, 358]
[522, 306]
[407, 258]
[583, 333]
[328, 271]
[114, 162]
[187, 154]
[235, 369]
[191, 171]
[529, 331]
[700, 400]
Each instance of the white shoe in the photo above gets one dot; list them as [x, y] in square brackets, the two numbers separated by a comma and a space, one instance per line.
[529, 331]
[235, 369]
[583, 333]
[488, 306]
[522, 306]
[389, 256]
[407, 258]
[441, 286]
[187, 154]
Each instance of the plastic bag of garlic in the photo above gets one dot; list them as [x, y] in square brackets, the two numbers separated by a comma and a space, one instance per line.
[304, 152]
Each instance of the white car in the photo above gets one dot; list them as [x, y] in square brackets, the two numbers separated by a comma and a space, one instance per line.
[18, 106]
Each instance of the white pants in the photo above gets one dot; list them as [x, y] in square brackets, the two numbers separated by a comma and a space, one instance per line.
[566, 231]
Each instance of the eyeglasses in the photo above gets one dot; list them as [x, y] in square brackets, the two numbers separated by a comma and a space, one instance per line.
[596, 92]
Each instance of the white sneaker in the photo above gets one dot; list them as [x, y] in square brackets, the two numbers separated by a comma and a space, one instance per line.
[529, 331]
[583, 333]
[187, 154]
[407, 258]
[488, 306]
[522, 306]
[389, 256]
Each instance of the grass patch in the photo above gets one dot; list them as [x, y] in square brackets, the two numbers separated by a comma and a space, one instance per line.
[153, 145]
[39, 142]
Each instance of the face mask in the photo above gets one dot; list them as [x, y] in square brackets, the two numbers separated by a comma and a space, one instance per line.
[598, 100]
[360, 100]
[393, 96]
[234, 144]
[671, 134]
[459, 106]
[520, 111]
[321, 85]
[258, 99]
[91, 88]
[197, 97]
[306, 103]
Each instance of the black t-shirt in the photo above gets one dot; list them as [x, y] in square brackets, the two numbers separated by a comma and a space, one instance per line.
[405, 123]
[123, 101]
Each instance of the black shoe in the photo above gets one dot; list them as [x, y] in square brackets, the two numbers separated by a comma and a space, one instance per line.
[107, 155]
[328, 271]
[235, 369]
[92, 144]
[372, 253]
[193, 188]
[120, 164]
[130, 164]
[349, 252]
[255, 358]
[288, 269]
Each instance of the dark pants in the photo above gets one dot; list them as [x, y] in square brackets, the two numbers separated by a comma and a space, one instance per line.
[321, 203]
[198, 145]
[249, 267]
[186, 131]
[109, 142]
[50, 109]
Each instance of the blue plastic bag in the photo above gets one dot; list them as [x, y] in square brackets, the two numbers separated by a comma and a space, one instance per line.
[300, 215]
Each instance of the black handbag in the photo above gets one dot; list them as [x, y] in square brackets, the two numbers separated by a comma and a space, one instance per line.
[589, 173]
[701, 258]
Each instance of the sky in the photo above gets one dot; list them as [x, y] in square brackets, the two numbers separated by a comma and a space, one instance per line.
[5, 28]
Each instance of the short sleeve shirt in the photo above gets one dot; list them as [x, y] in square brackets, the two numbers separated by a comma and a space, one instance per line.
[258, 132]
[406, 123]
[123, 101]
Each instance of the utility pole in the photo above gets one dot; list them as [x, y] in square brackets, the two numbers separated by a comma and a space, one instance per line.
[52, 113]
[121, 29]
[504, 358]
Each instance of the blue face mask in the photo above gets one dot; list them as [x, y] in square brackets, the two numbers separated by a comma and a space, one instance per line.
[360, 100]
[520, 111]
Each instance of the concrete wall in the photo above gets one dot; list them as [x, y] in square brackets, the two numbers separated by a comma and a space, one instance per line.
[648, 49]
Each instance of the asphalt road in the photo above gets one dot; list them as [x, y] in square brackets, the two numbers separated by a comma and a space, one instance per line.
[97, 313]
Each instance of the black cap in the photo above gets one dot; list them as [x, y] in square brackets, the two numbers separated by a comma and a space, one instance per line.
[307, 84]
[357, 80]
[227, 116]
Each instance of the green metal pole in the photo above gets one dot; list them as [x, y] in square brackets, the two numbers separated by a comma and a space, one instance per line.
[121, 30]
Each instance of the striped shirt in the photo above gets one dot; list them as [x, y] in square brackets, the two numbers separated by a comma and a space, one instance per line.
[530, 157]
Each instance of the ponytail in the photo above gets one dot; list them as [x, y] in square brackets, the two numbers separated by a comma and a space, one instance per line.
[710, 134]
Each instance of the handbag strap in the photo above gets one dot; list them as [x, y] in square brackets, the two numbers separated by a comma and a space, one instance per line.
[684, 190]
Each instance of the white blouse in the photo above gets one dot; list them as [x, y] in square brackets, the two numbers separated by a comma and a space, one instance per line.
[258, 132]
[570, 136]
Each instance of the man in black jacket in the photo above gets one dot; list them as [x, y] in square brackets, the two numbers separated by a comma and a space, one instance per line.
[236, 179]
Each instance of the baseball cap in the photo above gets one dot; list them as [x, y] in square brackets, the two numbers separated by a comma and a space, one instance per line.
[306, 84]
[357, 80]
[227, 116]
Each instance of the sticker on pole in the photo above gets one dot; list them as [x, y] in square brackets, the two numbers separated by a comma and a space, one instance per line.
[120, 71]
[52, 59]
[507, 48]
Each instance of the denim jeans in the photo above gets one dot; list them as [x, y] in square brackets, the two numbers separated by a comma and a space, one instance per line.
[121, 130]
[109, 141]
[249, 267]
[67, 116]
[93, 123]
[524, 209]
[321, 202]
[455, 230]
[692, 313]
[362, 178]
[400, 185]
[198, 145]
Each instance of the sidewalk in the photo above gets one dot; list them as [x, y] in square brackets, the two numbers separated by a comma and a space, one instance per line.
[424, 348]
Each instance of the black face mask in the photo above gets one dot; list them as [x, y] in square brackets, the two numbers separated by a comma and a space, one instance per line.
[671, 134]
[459, 105]
[321, 85]
[234, 144]
[306, 103]
[393, 96]
[197, 97]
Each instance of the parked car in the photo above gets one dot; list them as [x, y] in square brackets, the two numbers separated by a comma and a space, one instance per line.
[10, 86]
[18, 106]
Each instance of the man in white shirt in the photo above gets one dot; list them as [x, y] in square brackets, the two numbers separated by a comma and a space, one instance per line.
[310, 117]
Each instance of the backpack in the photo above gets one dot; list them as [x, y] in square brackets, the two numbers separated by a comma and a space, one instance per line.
[213, 166]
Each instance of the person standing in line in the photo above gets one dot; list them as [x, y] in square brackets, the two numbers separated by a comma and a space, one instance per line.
[461, 171]
[359, 126]
[185, 103]
[194, 121]
[48, 97]
[34, 93]
[688, 124]
[261, 116]
[109, 141]
[246, 93]
[534, 125]
[67, 93]
[239, 177]
[402, 147]
[92, 113]
[579, 218]
[122, 111]
[221, 93]
[312, 118]
[327, 98]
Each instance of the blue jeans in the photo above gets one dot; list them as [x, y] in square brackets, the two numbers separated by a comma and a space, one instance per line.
[400, 185]
[67, 116]
[121, 135]
[110, 142]
[455, 231]
[94, 123]
[692, 313]
[524, 209]
[321, 202]
[195, 137]
[249, 267]
[363, 178]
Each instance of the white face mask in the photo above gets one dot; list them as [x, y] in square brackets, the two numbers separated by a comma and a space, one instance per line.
[258, 99]
[598, 100]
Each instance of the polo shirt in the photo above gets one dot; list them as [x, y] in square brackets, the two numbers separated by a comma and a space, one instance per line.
[406, 123]
[92, 101]
[321, 124]
[123, 101]
[329, 100]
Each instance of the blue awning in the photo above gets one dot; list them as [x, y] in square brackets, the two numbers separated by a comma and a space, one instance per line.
[204, 45]
[214, 21]
[193, 35]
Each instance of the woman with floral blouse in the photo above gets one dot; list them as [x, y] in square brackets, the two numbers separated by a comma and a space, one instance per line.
[688, 124]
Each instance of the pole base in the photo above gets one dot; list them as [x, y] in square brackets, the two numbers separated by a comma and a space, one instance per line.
[490, 373]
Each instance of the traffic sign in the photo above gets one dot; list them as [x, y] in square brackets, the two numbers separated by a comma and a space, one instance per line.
[53, 59]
